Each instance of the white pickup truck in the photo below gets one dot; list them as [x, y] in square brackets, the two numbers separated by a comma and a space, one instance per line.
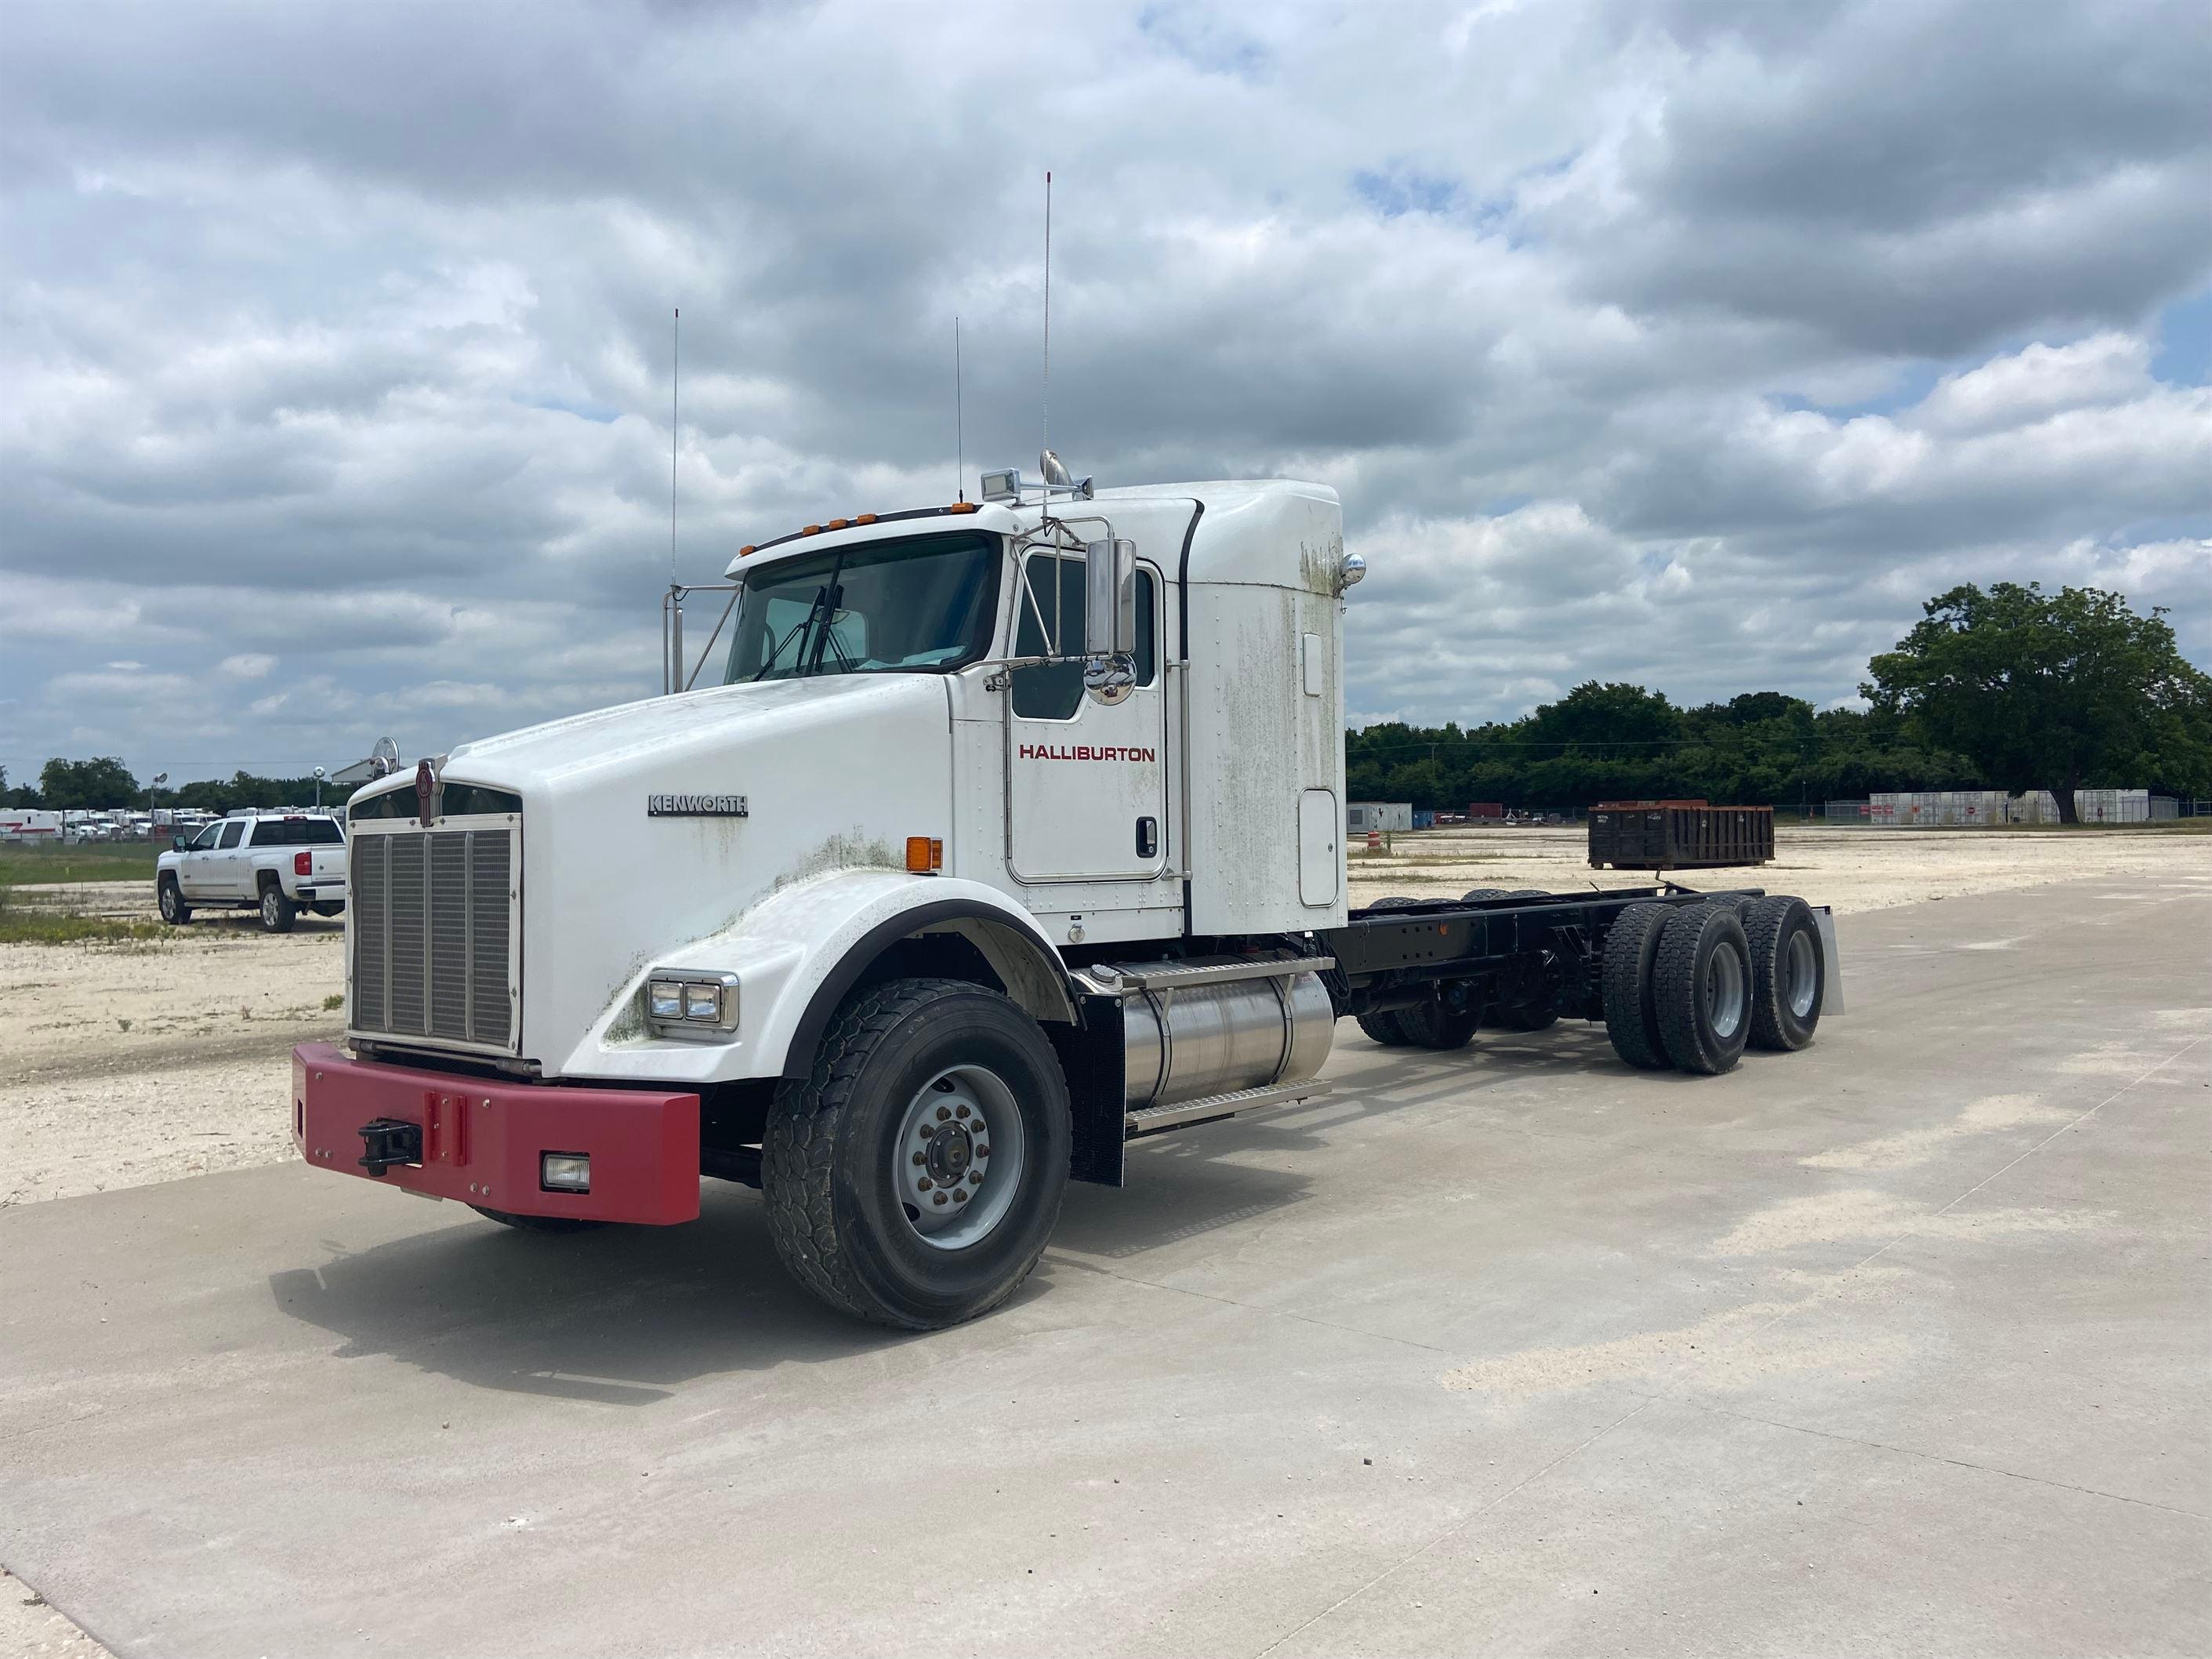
[277, 863]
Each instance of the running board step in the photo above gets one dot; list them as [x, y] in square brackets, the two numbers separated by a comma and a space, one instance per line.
[1155, 1120]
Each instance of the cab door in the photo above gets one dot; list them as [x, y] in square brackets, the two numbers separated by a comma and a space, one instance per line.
[1086, 780]
[193, 863]
[220, 877]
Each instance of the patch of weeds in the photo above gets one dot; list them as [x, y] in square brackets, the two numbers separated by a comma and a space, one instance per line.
[123, 1025]
[333, 1002]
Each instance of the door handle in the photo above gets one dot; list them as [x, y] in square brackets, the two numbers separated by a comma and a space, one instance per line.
[1148, 838]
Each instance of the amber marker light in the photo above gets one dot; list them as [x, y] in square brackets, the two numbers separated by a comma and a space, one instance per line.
[961, 506]
[925, 855]
[865, 518]
[837, 524]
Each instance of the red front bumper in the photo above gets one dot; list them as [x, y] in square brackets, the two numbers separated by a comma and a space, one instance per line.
[482, 1141]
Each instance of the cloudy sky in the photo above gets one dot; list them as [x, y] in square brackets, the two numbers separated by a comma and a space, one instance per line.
[1689, 344]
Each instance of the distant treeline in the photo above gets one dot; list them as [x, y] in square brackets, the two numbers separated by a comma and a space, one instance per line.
[105, 782]
[1617, 742]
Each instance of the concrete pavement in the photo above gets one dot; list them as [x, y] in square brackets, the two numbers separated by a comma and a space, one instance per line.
[1899, 1343]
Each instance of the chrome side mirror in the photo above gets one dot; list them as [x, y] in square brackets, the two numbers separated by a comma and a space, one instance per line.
[1109, 598]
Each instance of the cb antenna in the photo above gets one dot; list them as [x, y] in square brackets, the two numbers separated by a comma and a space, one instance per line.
[959, 424]
[675, 377]
[1047, 420]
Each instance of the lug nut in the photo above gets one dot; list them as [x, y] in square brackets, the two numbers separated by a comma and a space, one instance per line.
[960, 1197]
[975, 1176]
[943, 1113]
[938, 1199]
[924, 1184]
[921, 1157]
[959, 1111]
[982, 1152]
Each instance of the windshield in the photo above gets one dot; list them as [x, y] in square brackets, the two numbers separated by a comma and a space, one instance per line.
[922, 606]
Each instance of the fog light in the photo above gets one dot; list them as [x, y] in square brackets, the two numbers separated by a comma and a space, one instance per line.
[664, 999]
[702, 1002]
[565, 1172]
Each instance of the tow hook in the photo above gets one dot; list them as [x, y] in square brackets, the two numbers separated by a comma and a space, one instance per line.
[388, 1141]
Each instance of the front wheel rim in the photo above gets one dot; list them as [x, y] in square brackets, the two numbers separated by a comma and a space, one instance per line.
[169, 903]
[1803, 983]
[959, 1157]
[1725, 992]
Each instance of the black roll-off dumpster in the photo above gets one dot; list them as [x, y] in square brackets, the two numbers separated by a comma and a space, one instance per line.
[1679, 834]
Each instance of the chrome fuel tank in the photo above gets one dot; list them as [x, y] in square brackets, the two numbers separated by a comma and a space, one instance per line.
[1182, 1041]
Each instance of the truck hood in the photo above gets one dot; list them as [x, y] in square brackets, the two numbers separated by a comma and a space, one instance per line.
[836, 773]
[696, 722]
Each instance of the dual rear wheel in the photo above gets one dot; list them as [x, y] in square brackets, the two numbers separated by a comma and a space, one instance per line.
[1691, 986]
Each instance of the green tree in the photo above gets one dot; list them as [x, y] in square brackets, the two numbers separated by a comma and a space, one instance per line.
[87, 783]
[2058, 691]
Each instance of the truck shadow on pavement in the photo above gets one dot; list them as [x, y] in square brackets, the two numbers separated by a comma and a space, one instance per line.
[628, 1315]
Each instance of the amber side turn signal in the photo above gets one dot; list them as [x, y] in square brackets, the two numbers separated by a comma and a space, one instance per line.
[925, 855]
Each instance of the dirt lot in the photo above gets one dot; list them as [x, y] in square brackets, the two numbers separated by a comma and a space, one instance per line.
[125, 1064]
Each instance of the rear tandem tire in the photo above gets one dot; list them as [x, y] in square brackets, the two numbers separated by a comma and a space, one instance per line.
[1384, 1028]
[835, 1157]
[1436, 1024]
[537, 1223]
[1701, 987]
[1789, 972]
[1387, 1028]
[1631, 946]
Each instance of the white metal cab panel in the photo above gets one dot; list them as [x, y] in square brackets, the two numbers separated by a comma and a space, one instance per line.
[1265, 566]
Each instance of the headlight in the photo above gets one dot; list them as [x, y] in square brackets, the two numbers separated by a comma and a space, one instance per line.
[681, 1002]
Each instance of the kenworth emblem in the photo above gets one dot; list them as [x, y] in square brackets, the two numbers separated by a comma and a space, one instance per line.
[696, 807]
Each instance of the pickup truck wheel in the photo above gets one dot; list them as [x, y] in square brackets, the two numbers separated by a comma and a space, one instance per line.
[537, 1223]
[914, 1174]
[1701, 985]
[1787, 972]
[1632, 1018]
[174, 911]
[277, 911]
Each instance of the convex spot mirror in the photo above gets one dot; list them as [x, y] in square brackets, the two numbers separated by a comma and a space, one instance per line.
[1110, 620]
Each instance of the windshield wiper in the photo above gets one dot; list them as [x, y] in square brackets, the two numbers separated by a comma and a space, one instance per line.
[798, 631]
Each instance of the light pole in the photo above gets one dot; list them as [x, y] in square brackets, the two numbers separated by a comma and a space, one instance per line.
[160, 778]
[319, 788]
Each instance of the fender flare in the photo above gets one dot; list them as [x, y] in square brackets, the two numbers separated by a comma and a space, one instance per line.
[1032, 971]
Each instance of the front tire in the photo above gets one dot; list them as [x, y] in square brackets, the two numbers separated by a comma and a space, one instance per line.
[858, 1154]
[277, 911]
[174, 911]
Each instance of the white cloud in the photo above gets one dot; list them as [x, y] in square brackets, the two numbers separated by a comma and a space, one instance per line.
[1689, 344]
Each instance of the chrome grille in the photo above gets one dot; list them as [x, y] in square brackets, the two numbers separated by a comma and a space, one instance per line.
[433, 934]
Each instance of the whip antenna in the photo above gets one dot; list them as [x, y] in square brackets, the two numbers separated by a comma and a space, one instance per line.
[959, 424]
[1047, 420]
[675, 375]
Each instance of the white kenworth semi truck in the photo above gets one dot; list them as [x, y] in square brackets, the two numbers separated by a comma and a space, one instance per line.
[1012, 832]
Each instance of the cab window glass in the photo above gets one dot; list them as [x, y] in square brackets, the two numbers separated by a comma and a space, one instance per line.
[1056, 693]
[1055, 590]
[1147, 652]
[232, 832]
[205, 839]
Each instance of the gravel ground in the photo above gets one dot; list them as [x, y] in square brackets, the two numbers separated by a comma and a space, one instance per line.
[124, 1065]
